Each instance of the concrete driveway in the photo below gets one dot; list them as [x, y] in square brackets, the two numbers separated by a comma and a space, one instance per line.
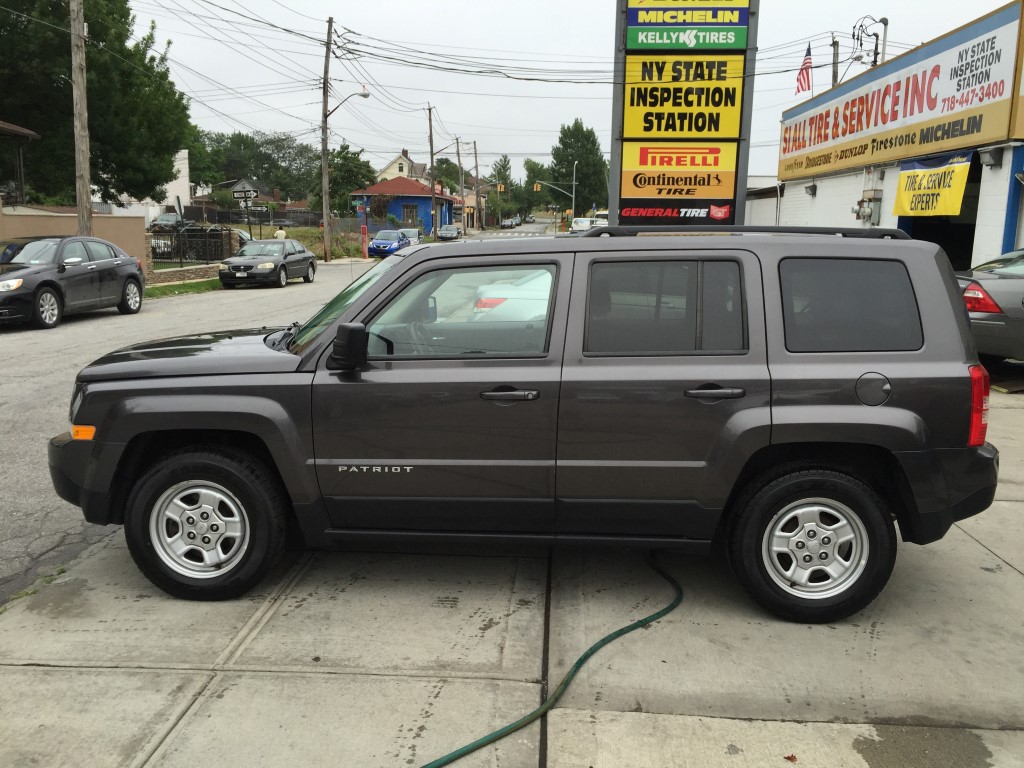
[396, 658]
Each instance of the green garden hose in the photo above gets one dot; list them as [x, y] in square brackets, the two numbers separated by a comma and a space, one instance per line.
[501, 733]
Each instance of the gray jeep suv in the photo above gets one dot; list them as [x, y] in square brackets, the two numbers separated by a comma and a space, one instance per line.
[795, 397]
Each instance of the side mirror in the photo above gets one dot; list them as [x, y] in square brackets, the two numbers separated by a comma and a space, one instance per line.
[431, 309]
[71, 261]
[349, 353]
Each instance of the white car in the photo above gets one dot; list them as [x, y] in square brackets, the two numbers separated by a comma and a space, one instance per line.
[581, 225]
[522, 300]
[414, 235]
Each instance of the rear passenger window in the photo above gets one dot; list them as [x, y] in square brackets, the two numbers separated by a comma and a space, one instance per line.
[652, 308]
[849, 305]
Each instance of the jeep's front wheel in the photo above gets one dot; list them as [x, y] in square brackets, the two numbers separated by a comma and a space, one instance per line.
[206, 524]
[813, 545]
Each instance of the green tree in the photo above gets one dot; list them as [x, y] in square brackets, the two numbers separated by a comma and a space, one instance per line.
[577, 143]
[448, 174]
[138, 120]
[501, 171]
[346, 171]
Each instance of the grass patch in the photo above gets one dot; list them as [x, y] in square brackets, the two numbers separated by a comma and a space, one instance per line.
[180, 289]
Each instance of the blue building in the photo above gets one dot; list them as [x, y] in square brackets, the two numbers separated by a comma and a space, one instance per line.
[409, 203]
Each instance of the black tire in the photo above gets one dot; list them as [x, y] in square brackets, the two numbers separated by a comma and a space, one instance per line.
[282, 277]
[829, 516]
[47, 308]
[310, 275]
[131, 298]
[247, 513]
[227, 286]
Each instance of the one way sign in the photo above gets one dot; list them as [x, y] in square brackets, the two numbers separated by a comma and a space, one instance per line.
[244, 194]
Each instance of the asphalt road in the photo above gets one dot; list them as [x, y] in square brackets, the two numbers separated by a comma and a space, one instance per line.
[38, 531]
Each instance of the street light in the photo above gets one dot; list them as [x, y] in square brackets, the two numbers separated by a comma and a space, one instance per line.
[325, 191]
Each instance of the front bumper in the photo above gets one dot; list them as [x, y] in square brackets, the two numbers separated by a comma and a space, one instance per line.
[948, 485]
[253, 276]
[82, 474]
[16, 306]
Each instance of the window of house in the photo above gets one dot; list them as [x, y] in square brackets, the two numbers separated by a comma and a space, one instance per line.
[409, 214]
[849, 305]
[401, 167]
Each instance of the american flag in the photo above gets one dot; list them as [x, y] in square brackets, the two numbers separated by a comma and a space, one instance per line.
[803, 78]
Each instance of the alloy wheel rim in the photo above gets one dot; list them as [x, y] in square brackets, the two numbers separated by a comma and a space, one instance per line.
[282, 276]
[48, 308]
[132, 295]
[199, 529]
[815, 548]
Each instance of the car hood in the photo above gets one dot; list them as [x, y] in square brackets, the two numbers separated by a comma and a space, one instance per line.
[250, 259]
[23, 270]
[207, 354]
[383, 243]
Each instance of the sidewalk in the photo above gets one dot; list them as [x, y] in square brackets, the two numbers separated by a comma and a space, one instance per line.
[383, 659]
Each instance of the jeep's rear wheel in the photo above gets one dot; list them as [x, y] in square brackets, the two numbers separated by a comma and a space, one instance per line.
[206, 524]
[813, 545]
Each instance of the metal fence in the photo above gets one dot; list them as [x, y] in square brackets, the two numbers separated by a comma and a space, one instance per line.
[192, 245]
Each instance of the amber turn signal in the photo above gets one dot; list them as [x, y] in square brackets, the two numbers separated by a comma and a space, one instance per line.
[82, 433]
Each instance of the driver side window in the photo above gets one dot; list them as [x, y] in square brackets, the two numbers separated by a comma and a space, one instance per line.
[472, 311]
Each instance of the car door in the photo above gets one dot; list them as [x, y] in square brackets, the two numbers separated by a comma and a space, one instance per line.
[78, 280]
[104, 263]
[451, 424]
[665, 391]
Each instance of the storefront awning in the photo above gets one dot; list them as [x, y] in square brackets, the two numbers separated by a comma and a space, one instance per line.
[933, 187]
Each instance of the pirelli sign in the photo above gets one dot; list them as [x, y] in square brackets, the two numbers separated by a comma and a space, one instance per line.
[679, 117]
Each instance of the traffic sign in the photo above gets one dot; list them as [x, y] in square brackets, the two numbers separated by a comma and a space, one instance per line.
[259, 208]
[244, 194]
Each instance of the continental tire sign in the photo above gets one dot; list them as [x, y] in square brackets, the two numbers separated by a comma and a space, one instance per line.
[681, 110]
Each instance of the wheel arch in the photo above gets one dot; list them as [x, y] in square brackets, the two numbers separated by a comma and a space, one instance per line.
[872, 464]
[146, 449]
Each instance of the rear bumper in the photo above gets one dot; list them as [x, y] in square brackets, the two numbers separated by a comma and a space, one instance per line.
[948, 485]
[998, 335]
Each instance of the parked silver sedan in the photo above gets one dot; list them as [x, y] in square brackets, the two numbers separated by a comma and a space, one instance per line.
[994, 295]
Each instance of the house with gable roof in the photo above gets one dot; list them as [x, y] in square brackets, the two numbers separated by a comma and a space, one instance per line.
[409, 202]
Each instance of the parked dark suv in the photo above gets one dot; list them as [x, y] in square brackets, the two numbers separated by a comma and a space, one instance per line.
[792, 396]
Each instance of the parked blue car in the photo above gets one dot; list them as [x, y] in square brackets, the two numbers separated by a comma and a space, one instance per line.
[386, 242]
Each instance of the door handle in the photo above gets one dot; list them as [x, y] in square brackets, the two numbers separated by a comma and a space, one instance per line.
[716, 394]
[514, 394]
[91, 266]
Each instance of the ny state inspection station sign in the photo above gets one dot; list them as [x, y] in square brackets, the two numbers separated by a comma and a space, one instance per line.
[680, 114]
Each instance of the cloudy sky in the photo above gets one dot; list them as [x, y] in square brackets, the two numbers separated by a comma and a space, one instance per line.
[506, 76]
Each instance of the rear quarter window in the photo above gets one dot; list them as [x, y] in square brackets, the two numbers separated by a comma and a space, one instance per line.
[849, 305]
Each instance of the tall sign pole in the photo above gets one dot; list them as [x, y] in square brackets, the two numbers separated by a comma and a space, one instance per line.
[325, 186]
[433, 175]
[682, 111]
[83, 191]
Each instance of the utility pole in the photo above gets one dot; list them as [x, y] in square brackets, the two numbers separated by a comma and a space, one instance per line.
[325, 189]
[433, 175]
[462, 181]
[835, 61]
[476, 189]
[83, 190]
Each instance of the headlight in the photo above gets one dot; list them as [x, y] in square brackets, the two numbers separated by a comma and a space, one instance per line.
[266, 265]
[225, 267]
[10, 285]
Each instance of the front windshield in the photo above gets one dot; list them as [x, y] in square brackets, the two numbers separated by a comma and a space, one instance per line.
[261, 249]
[332, 310]
[28, 252]
[1010, 263]
[388, 236]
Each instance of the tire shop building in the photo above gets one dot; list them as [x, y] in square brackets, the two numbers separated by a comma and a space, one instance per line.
[930, 142]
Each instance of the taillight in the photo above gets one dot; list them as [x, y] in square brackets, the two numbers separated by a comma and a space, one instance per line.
[139, 262]
[977, 300]
[979, 406]
[488, 303]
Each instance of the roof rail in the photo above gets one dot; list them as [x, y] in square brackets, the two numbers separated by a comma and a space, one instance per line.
[867, 234]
